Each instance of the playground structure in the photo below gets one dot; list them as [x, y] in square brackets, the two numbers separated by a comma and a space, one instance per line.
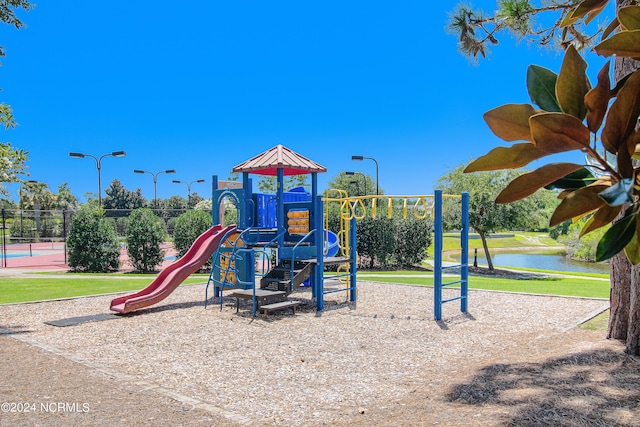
[288, 226]
[420, 207]
[282, 241]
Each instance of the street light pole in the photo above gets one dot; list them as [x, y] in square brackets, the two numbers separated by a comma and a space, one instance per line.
[364, 179]
[376, 162]
[176, 181]
[98, 160]
[155, 182]
[357, 184]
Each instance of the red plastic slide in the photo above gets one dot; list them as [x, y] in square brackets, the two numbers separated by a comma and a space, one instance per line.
[174, 274]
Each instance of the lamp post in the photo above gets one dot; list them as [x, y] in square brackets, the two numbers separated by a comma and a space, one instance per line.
[98, 160]
[376, 162]
[177, 181]
[357, 184]
[364, 179]
[155, 182]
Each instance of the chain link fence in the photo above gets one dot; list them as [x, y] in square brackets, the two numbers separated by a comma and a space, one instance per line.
[43, 232]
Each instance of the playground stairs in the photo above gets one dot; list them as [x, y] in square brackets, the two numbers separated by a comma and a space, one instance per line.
[286, 277]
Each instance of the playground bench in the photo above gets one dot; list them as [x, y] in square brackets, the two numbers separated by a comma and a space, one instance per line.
[279, 306]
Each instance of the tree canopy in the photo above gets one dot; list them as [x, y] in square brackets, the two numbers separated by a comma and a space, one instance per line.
[118, 197]
[358, 184]
[568, 113]
[485, 215]
[561, 22]
[8, 10]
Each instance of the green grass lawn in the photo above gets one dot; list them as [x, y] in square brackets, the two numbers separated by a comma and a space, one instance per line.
[598, 323]
[569, 286]
[13, 290]
[451, 241]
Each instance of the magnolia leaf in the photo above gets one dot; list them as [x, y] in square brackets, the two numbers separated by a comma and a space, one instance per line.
[569, 19]
[610, 28]
[529, 183]
[595, 12]
[541, 85]
[604, 216]
[516, 156]
[619, 193]
[558, 132]
[597, 99]
[511, 121]
[632, 250]
[623, 115]
[572, 84]
[564, 193]
[577, 203]
[625, 43]
[588, 6]
[616, 238]
[629, 17]
[578, 179]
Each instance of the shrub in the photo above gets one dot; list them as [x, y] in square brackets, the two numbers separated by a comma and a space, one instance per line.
[413, 237]
[188, 227]
[92, 243]
[376, 239]
[145, 233]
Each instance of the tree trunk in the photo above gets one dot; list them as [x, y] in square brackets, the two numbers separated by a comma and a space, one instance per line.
[619, 297]
[486, 249]
[624, 323]
[633, 334]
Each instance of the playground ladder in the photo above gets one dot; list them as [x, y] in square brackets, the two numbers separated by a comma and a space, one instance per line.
[464, 258]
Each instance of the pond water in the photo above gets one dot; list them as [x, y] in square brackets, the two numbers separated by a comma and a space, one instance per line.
[558, 262]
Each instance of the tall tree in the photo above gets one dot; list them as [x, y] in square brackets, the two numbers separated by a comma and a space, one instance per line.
[38, 197]
[571, 23]
[12, 165]
[195, 199]
[624, 320]
[119, 197]
[8, 9]
[354, 185]
[12, 160]
[485, 215]
[65, 200]
[559, 125]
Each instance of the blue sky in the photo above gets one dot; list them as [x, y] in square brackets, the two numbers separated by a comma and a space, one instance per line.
[202, 86]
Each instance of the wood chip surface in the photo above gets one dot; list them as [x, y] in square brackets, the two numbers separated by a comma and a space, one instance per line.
[353, 361]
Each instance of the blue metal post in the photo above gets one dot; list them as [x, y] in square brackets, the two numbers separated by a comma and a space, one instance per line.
[318, 275]
[314, 193]
[280, 206]
[244, 207]
[353, 255]
[437, 256]
[215, 209]
[464, 256]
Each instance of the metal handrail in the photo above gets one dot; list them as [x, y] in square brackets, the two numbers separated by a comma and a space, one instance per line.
[293, 257]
